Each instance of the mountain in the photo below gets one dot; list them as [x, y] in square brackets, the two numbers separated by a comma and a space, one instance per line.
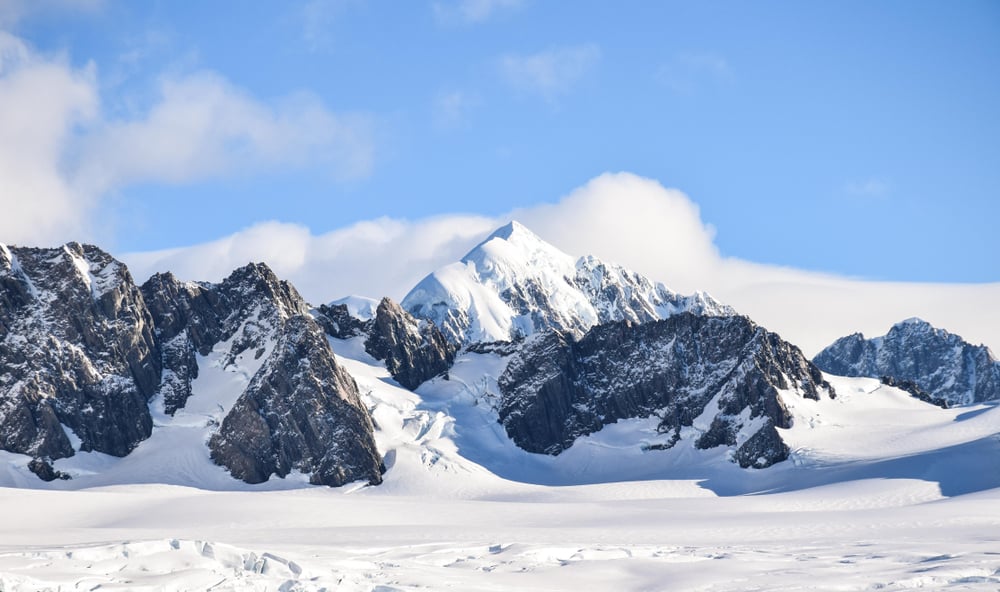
[79, 360]
[938, 362]
[87, 359]
[299, 411]
[725, 373]
[514, 284]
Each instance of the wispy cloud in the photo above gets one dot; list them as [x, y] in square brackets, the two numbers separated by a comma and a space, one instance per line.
[868, 188]
[552, 72]
[471, 11]
[13, 11]
[61, 154]
[688, 71]
[451, 108]
[318, 18]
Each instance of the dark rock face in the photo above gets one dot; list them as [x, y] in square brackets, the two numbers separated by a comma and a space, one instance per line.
[247, 308]
[45, 471]
[938, 362]
[413, 351]
[557, 389]
[337, 321]
[914, 390]
[82, 347]
[77, 349]
[301, 411]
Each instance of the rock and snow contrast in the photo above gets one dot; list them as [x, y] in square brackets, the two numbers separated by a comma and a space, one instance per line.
[524, 419]
[514, 284]
[942, 364]
[723, 371]
[88, 360]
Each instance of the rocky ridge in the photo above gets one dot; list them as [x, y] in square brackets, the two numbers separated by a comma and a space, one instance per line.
[84, 352]
[938, 362]
[514, 284]
[724, 373]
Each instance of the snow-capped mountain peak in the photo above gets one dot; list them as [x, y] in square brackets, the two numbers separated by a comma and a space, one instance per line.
[514, 284]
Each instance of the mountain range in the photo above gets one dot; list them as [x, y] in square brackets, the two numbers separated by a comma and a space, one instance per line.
[245, 376]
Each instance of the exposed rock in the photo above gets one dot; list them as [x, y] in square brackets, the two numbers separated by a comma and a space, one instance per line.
[301, 412]
[514, 284]
[77, 349]
[938, 362]
[914, 390]
[557, 389]
[338, 322]
[45, 471]
[414, 351]
[247, 308]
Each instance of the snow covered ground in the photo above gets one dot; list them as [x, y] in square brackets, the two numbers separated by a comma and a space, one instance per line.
[882, 492]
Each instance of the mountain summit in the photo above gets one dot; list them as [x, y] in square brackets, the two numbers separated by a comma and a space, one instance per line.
[514, 284]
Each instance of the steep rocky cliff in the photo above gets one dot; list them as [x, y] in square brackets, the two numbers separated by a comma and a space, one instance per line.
[726, 370]
[414, 351]
[300, 412]
[78, 355]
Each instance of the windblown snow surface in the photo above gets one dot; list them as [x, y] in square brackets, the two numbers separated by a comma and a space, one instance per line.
[882, 492]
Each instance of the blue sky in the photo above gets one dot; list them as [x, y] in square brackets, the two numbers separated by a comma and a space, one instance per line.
[860, 138]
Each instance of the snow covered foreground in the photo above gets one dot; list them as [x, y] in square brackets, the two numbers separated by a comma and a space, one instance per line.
[882, 492]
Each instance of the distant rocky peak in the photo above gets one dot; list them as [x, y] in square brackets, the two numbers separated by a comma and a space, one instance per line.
[257, 282]
[514, 284]
[940, 363]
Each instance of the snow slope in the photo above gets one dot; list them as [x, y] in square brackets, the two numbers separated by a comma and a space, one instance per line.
[514, 284]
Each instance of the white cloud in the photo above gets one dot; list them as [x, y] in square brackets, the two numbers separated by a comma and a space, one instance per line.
[618, 217]
[202, 126]
[59, 154]
[471, 11]
[381, 257]
[41, 101]
[552, 72]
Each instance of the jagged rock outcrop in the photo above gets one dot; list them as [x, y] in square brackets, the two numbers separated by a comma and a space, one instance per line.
[300, 412]
[677, 369]
[514, 284]
[246, 310]
[940, 363]
[77, 349]
[914, 391]
[338, 322]
[414, 351]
